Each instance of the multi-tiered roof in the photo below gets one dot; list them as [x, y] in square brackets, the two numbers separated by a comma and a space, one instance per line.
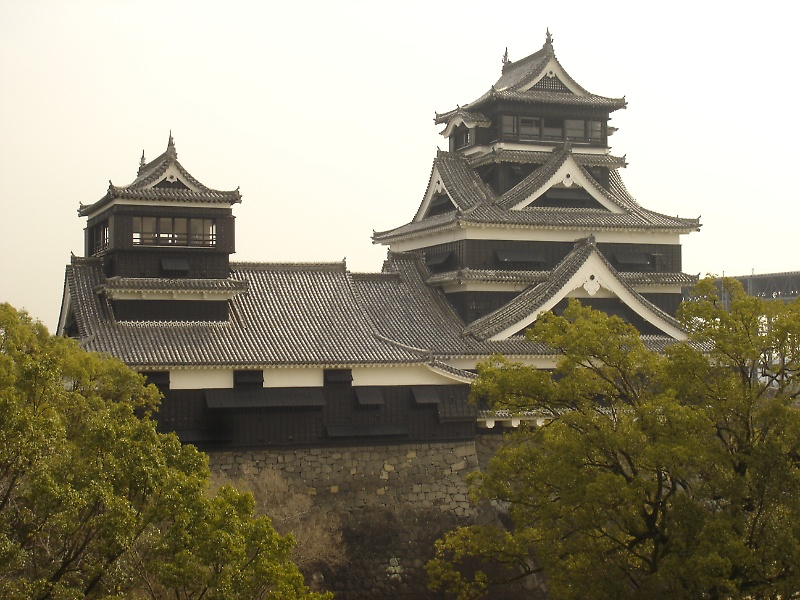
[525, 210]
[528, 173]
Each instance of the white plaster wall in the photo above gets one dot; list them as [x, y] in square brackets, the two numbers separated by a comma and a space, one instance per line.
[293, 378]
[543, 235]
[195, 379]
[413, 375]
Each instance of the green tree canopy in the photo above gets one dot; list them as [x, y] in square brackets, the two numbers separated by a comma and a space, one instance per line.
[654, 475]
[95, 503]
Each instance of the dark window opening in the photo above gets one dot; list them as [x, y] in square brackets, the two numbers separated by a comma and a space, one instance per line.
[174, 231]
[525, 128]
[576, 129]
[338, 376]
[462, 138]
[553, 128]
[530, 128]
[160, 379]
[595, 130]
[251, 379]
[98, 238]
[174, 267]
[509, 126]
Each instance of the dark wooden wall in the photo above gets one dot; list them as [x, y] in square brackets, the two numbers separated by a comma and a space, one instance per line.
[344, 419]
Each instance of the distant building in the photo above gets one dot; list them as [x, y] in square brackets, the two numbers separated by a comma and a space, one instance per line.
[525, 210]
[774, 286]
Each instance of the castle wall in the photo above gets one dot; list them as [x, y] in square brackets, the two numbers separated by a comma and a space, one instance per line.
[394, 502]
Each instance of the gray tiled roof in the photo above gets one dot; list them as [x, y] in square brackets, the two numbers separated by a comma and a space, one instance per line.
[298, 314]
[405, 309]
[503, 155]
[649, 278]
[135, 284]
[480, 206]
[295, 314]
[468, 275]
[150, 173]
[536, 296]
[533, 277]
[457, 174]
[477, 119]
[518, 75]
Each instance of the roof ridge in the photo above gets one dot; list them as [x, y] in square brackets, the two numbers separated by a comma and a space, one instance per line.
[285, 266]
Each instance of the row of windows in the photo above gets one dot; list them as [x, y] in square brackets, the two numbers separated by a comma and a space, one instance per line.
[99, 238]
[514, 127]
[174, 231]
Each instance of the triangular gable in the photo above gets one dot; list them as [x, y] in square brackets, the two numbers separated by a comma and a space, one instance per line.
[469, 119]
[436, 189]
[584, 272]
[453, 177]
[174, 176]
[551, 73]
[67, 317]
[568, 174]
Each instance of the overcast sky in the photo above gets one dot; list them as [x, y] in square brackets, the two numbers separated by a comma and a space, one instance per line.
[322, 113]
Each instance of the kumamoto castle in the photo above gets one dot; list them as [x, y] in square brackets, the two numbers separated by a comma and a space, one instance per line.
[355, 385]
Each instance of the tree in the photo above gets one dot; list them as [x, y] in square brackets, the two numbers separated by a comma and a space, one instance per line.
[95, 503]
[655, 475]
[319, 547]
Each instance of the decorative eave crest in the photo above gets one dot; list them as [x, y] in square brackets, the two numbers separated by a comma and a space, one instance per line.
[134, 288]
[566, 172]
[471, 120]
[583, 273]
[162, 180]
[519, 78]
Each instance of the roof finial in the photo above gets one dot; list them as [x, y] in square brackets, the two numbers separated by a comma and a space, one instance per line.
[506, 62]
[171, 146]
[142, 161]
[549, 39]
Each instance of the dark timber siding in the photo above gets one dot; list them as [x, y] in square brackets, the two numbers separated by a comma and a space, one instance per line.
[343, 420]
[483, 255]
[170, 310]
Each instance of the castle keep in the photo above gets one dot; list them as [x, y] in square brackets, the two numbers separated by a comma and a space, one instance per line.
[525, 210]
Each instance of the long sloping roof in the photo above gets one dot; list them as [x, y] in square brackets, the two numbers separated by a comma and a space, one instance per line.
[299, 314]
[290, 314]
[517, 83]
[144, 187]
[478, 205]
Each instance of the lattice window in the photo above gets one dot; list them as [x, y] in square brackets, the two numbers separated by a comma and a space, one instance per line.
[551, 84]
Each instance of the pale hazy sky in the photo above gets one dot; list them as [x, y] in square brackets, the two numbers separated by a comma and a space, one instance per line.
[322, 113]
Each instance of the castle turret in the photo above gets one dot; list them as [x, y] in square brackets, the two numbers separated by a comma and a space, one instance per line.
[528, 175]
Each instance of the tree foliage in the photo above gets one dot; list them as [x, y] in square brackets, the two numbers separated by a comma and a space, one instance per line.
[95, 503]
[319, 547]
[655, 475]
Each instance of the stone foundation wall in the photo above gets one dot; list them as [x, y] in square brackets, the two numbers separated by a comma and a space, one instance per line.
[402, 477]
[394, 502]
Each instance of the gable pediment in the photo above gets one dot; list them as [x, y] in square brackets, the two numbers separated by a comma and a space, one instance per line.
[553, 78]
[436, 197]
[569, 177]
[584, 273]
